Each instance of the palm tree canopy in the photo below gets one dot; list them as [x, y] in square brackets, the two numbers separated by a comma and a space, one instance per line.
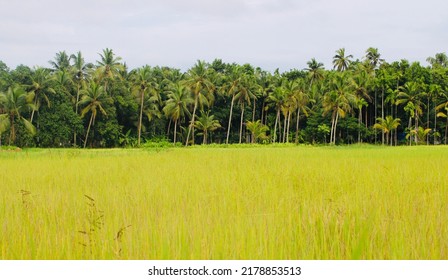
[373, 57]
[41, 80]
[439, 60]
[388, 124]
[411, 94]
[257, 129]
[93, 99]
[179, 99]
[109, 65]
[206, 122]
[16, 100]
[341, 62]
[247, 89]
[79, 67]
[61, 61]
[142, 80]
[198, 80]
[315, 70]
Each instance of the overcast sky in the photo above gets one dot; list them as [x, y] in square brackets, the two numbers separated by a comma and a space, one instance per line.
[272, 34]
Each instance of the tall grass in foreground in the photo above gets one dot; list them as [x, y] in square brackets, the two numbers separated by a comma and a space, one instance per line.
[261, 203]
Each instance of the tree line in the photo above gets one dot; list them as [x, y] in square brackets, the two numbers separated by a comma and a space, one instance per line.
[73, 103]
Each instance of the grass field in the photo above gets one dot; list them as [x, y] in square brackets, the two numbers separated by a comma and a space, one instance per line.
[360, 202]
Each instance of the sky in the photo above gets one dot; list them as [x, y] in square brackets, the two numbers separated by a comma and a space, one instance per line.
[270, 34]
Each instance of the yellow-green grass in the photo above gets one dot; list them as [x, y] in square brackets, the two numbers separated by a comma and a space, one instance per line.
[359, 202]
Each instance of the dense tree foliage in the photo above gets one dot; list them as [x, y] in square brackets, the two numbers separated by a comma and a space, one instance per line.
[104, 104]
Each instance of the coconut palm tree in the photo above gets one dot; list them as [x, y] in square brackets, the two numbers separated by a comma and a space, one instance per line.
[439, 60]
[244, 96]
[276, 99]
[315, 71]
[109, 67]
[231, 88]
[341, 62]
[387, 125]
[373, 57]
[293, 91]
[200, 85]
[64, 80]
[61, 61]
[176, 106]
[142, 83]
[13, 103]
[80, 72]
[41, 85]
[359, 83]
[206, 124]
[411, 95]
[421, 134]
[152, 105]
[302, 99]
[338, 102]
[258, 130]
[93, 99]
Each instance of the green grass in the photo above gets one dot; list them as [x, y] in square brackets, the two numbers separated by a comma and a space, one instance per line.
[358, 202]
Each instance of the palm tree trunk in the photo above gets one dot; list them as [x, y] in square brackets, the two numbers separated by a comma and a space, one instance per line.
[175, 130]
[289, 124]
[280, 127]
[204, 139]
[392, 132]
[366, 118]
[396, 130]
[76, 112]
[416, 125]
[297, 126]
[374, 109]
[192, 121]
[435, 123]
[382, 114]
[359, 124]
[241, 121]
[446, 130]
[275, 126]
[34, 110]
[230, 119]
[332, 128]
[285, 118]
[262, 112]
[335, 126]
[88, 130]
[142, 95]
[105, 86]
[428, 126]
[12, 135]
[253, 110]
[169, 128]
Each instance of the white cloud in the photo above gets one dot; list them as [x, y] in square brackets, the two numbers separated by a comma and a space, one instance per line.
[267, 33]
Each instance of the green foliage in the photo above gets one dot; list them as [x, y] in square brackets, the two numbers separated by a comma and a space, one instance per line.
[159, 143]
[57, 123]
[117, 105]
[258, 131]
[421, 134]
